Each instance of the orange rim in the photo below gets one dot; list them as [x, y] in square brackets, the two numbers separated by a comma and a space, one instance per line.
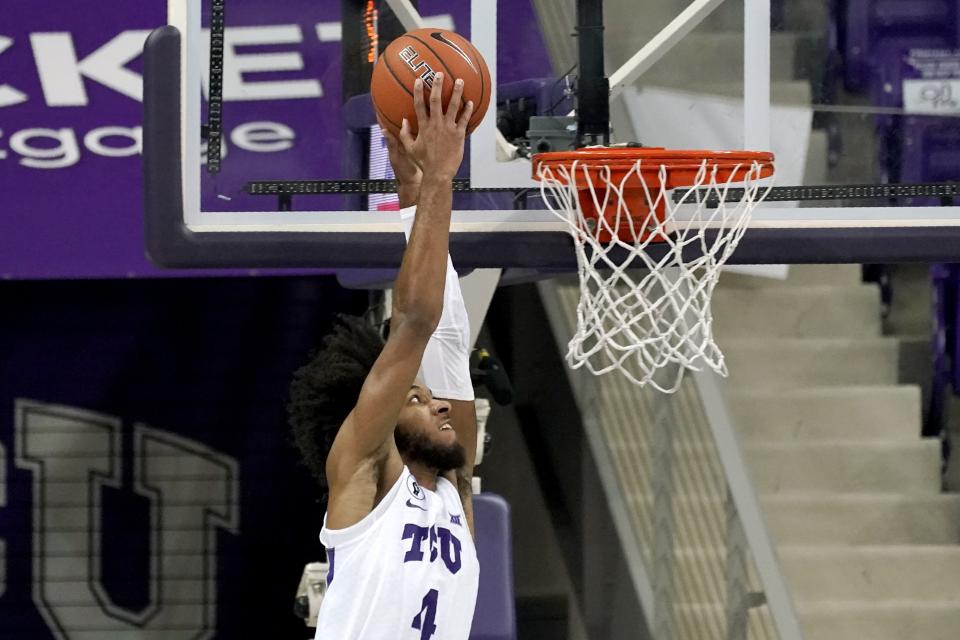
[620, 160]
[643, 187]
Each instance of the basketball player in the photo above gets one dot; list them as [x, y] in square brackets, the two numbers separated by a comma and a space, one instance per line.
[398, 461]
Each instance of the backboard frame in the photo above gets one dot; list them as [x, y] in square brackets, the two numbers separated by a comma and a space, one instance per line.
[180, 235]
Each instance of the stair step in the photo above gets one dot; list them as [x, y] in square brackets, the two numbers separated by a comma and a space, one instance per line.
[866, 519]
[800, 275]
[872, 573]
[816, 311]
[806, 15]
[727, 17]
[825, 574]
[791, 363]
[884, 620]
[849, 466]
[837, 519]
[795, 93]
[823, 413]
[829, 467]
[686, 67]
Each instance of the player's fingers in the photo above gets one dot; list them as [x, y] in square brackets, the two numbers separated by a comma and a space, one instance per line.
[389, 136]
[453, 107]
[384, 130]
[418, 105]
[406, 138]
[436, 97]
[465, 116]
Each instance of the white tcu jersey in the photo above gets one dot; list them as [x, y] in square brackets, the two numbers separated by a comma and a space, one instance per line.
[407, 571]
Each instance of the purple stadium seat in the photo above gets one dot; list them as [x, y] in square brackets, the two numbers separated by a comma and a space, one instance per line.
[886, 84]
[893, 66]
[495, 617]
[926, 148]
[890, 68]
[931, 149]
[875, 27]
[918, 148]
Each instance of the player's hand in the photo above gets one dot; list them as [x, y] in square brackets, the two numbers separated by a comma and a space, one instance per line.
[407, 171]
[438, 147]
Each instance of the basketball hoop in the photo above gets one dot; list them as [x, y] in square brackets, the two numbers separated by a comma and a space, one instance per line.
[618, 211]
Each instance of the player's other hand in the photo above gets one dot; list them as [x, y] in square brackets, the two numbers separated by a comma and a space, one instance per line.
[438, 147]
[405, 169]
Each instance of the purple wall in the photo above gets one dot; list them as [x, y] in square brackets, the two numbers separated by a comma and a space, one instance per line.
[203, 363]
[70, 210]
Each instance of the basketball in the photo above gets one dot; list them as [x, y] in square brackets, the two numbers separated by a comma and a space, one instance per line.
[423, 53]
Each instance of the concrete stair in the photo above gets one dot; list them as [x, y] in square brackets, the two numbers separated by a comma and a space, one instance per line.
[782, 92]
[863, 519]
[874, 467]
[845, 574]
[820, 576]
[804, 275]
[788, 363]
[723, 65]
[891, 620]
[883, 620]
[846, 467]
[797, 312]
[838, 519]
[825, 413]
[710, 59]
[851, 493]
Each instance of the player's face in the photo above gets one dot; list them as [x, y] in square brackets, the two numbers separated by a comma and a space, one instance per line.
[424, 431]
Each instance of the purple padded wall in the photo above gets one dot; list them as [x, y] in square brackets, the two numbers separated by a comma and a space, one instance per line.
[495, 616]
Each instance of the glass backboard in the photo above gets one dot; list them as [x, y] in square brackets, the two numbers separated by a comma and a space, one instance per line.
[801, 79]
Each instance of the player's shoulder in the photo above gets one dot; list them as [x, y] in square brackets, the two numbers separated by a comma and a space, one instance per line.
[344, 467]
[461, 482]
[358, 487]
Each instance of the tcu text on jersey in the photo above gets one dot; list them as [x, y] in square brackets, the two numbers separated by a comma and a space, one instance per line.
[442, 544]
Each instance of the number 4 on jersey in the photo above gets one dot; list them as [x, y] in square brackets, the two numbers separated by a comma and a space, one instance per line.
[424, 621]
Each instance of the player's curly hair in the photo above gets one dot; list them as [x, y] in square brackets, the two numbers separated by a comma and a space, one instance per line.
[325, 390]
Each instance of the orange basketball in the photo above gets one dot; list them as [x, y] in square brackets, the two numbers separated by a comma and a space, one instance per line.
[421, 54]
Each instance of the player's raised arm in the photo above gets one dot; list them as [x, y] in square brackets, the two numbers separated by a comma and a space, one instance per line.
[418, 295]
[445, 369]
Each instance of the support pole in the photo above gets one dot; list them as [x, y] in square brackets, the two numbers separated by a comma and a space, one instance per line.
[593, 87]
[756, 75]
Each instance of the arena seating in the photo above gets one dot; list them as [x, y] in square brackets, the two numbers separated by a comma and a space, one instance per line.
[946, 348]
[871, 28]
[924, 148]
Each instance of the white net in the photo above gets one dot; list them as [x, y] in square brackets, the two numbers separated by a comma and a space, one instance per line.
[646, 279]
